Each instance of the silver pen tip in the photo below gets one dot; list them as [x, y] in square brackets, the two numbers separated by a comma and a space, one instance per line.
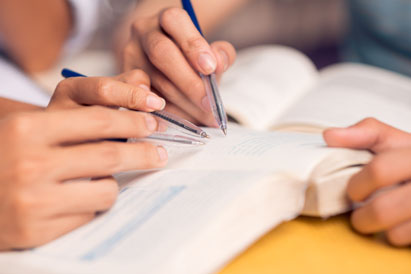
[224, 131]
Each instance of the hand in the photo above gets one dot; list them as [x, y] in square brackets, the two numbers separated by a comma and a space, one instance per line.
[43, 152]
[171, 50]
[129, 90]
[389, 210]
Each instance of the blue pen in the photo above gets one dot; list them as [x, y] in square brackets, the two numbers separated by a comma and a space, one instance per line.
[210, 81]
[170, 118]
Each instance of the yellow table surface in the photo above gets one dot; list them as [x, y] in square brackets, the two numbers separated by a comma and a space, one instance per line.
[312, 245]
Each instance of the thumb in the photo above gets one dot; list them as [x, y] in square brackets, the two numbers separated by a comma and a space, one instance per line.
[368, 134]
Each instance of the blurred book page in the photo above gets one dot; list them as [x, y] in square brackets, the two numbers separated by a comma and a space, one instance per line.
[349, 93]
[263, 82]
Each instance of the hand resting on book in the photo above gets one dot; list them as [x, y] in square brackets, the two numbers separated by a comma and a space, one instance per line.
[388, 210]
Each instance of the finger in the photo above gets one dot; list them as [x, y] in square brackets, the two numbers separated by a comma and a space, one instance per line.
[368, 134]
[109, 92]
[45, 231]
[400, 235]
[225, 54]
[177, 98]
[106, 158]
[386, 211]
[136, 78]
[83, 197]
[93, 123]
[168, 58]
[60, 226]
[133, 56]
[178, 25]
[386, 169]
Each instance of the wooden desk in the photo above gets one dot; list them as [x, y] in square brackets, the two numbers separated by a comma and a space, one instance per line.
[310, 245]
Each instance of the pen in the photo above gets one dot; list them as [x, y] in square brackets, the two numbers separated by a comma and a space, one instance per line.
[210, 81]
[175, 139]
[164, 138]
[179, 123]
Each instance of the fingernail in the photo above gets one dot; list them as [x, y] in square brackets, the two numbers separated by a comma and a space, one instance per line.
[162, 154]
[151, 123]
[145, 87]
[206, 104]
[155, 102]
[225, 59]
[207, 63]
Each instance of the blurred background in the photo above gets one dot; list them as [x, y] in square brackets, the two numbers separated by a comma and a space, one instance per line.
[315, 27]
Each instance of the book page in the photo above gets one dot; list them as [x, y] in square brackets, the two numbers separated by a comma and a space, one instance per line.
[263, 82]
[194, 216]
[348, 93]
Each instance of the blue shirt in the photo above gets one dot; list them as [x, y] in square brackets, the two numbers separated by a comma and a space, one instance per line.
[380, 34]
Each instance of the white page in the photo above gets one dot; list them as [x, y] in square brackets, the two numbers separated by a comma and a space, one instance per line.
[168, 216]
[349, 93]
[263, 82]
[17, 86]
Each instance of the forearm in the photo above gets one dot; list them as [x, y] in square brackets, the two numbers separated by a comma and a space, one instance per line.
[34, 32]
[10, 106]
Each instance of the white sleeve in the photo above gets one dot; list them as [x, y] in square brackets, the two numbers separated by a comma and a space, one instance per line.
[85, 18]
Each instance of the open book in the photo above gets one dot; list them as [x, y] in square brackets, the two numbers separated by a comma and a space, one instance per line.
[278, 88]
[212, 202]
[209, 204]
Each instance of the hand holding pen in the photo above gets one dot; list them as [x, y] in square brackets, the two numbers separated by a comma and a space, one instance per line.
[173, 52]
[180, 124]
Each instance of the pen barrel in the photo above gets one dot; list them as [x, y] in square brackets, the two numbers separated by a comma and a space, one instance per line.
[178, 123]
[210, 84]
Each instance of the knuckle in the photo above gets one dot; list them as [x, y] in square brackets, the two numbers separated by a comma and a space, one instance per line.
[63, 85]
[369, 122]
[109, 195]
[138, 75]
[138, 26]
[22, 204]
[377, 169]
[196, 86]
[380, 210]
[104, 87]
[396, 237]
[101, 117]
[25, 237]
[128, 51]
[111, 156]
[194, 44]
[25, 171]
[135, 99]
[150, 155]
[168, 16]
[157, 48]
[20, 125]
